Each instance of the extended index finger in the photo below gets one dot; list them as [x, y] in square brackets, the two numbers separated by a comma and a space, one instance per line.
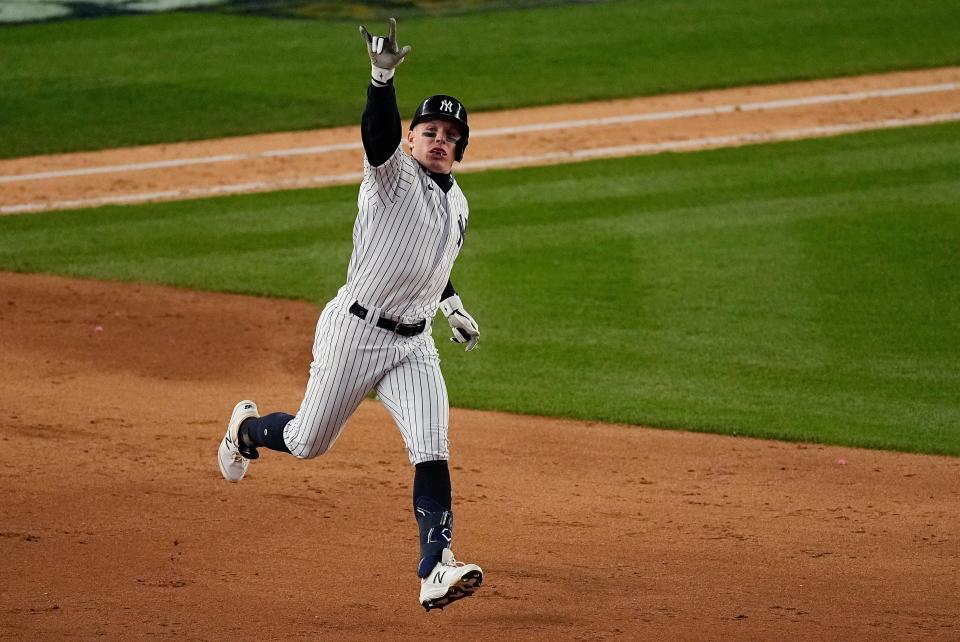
[366, 34]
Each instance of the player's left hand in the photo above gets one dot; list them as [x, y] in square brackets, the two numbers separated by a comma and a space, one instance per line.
[465, 329]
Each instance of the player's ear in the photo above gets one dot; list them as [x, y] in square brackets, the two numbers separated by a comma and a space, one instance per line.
[410, 138]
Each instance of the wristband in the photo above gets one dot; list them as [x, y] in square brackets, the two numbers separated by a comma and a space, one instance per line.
[380, 76]
[450, 305]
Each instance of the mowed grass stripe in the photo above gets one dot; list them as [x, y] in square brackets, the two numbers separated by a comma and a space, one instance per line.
[94, 84]
[802, 291]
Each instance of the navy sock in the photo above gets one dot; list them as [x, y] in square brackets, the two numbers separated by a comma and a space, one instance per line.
[432, 479]
[266, 431]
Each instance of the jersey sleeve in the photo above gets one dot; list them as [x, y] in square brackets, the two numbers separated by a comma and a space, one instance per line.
[387, 183]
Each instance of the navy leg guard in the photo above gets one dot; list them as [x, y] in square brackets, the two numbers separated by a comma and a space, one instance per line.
[436, 533]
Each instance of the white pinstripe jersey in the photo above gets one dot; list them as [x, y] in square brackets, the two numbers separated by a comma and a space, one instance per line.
[406, 237]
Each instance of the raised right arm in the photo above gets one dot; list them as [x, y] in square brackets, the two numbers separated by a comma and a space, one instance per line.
[380, 127]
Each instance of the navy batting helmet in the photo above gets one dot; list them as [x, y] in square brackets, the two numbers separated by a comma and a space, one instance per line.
[448, 108]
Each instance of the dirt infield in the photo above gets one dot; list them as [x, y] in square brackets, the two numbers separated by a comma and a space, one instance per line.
[116, 523]
[560, 133]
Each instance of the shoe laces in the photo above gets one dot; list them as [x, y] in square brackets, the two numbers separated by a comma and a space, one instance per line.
[235, 452]
[453, 563]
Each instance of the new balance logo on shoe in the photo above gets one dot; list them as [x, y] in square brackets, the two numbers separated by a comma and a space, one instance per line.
[449, 581]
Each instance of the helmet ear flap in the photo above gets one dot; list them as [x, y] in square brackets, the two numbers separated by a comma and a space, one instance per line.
[461, 147]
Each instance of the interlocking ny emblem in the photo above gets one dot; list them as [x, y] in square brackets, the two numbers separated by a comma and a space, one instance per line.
[446, 105]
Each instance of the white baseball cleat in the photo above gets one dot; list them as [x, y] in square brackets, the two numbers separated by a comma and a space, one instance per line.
[233, 465]
[448, 582]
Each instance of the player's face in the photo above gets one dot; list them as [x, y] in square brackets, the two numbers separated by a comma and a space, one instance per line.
[434, 144]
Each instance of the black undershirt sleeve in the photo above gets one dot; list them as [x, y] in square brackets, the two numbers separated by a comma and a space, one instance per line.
[380, 124]
[447, 291]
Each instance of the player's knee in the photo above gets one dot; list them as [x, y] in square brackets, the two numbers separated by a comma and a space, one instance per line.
[313, 439]
[312, 450]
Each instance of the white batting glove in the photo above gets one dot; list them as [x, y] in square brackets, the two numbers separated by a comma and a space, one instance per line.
[385, 56]
[465, 329]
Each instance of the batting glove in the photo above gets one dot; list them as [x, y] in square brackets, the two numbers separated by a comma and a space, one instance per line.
[385, 56]
[464, 327]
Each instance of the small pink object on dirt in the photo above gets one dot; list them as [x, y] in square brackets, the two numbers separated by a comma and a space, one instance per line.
[842, 462]
[98, 328]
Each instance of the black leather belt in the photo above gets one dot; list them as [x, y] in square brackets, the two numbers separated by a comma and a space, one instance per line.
[403, 329]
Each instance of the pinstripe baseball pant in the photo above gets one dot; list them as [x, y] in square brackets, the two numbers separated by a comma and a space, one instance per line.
[352, 356]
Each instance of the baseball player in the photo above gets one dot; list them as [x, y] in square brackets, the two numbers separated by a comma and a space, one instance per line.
[375, 333]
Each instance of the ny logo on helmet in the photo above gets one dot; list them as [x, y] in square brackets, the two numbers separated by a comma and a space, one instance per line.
[446, 105]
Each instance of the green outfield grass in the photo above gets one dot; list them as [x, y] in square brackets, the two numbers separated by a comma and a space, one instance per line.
[803, 291]
[92, 84]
